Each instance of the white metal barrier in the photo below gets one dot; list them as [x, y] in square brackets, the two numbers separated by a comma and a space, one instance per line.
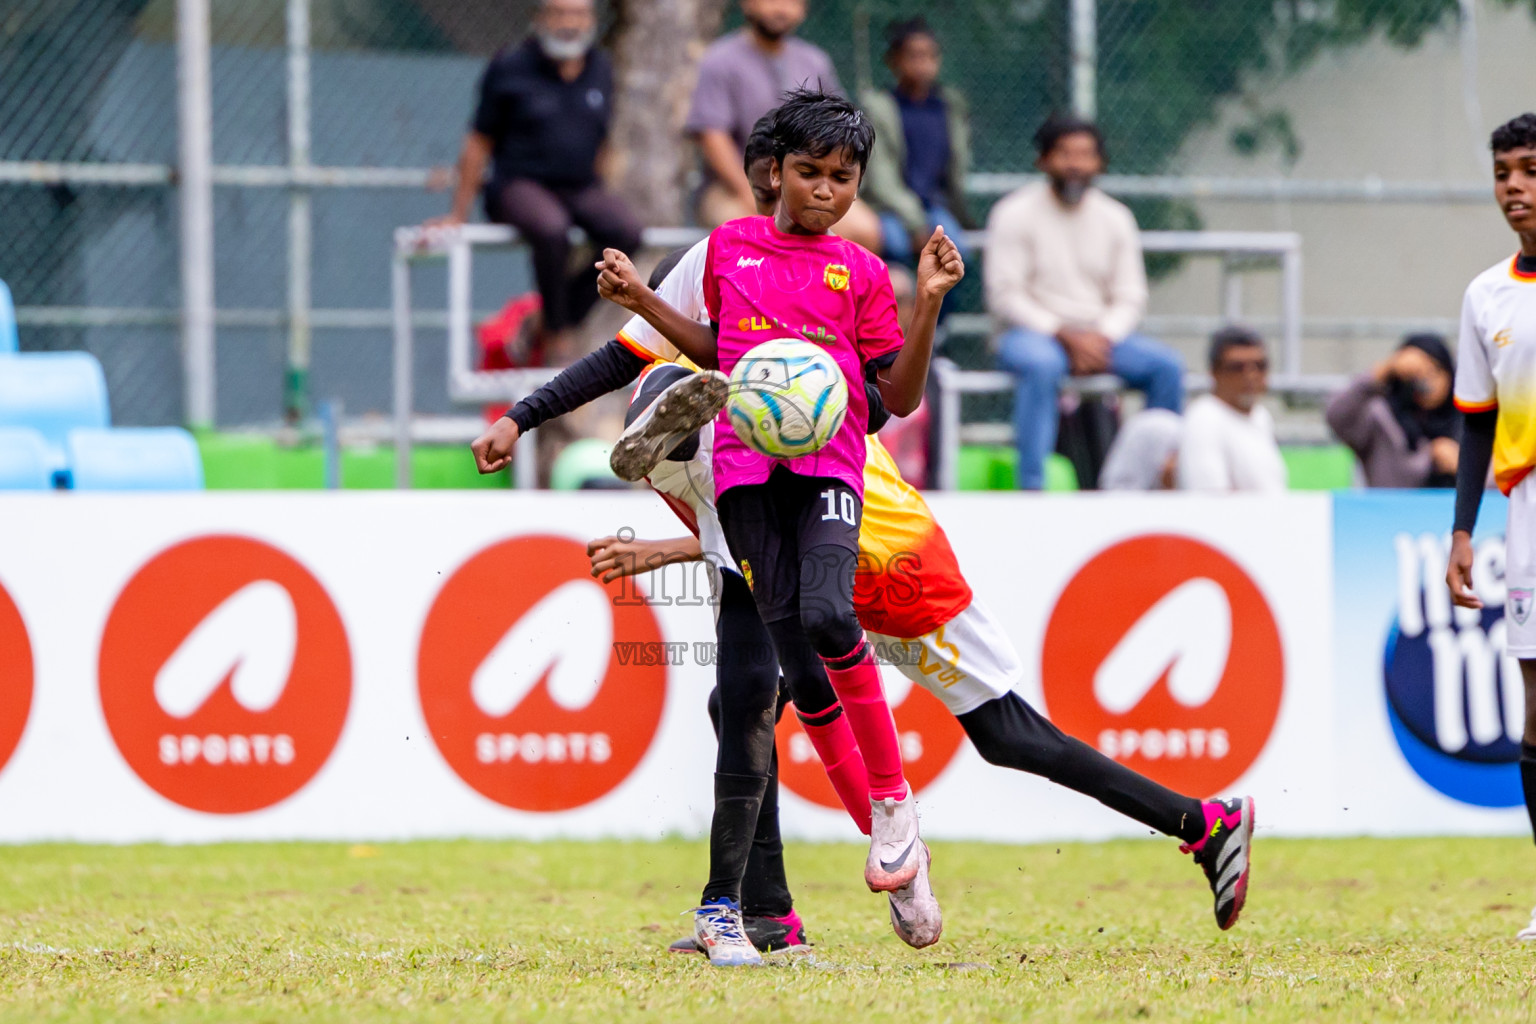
[1238, 251]
[465, 383]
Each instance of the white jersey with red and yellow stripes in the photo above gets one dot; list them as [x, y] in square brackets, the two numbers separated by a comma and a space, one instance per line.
[1496, 365]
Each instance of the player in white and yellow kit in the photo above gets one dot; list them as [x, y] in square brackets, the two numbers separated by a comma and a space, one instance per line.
[1496, 392]
[910, 590]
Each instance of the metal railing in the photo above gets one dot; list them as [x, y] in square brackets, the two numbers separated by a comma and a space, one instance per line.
[456, 247]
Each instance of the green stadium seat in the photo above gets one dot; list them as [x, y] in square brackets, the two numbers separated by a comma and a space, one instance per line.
[1319, 467]
[995, 468]
[254, 462]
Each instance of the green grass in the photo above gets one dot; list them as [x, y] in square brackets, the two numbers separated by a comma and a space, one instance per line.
[472, 931]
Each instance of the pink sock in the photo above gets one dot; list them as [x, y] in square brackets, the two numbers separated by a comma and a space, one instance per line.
[858, 687]
[840, 756]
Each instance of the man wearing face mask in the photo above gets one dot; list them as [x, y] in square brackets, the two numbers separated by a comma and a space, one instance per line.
[1066, 283]
[541, 122]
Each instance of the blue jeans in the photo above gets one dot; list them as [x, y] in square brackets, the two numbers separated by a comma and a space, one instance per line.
[1040, 363]
[898, 242]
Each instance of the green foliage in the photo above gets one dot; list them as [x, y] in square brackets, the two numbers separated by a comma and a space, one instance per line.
[1164, 67]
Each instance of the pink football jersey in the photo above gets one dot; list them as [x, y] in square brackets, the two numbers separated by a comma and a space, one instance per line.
[761, 284]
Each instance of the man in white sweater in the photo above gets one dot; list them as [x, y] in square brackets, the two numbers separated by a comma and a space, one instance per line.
[1066, 283]
[1229, 437]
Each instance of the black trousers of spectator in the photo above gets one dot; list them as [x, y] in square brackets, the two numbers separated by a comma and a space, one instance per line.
[543, 215]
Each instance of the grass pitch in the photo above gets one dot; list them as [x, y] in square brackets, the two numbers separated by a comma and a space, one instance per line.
[487, 931]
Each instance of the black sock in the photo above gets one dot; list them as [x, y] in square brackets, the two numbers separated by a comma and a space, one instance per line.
[1528, 781]
[738, 802]
[1008, 732]
[764, 887]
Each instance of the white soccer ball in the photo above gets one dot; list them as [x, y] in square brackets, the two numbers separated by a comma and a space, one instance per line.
[788, 398]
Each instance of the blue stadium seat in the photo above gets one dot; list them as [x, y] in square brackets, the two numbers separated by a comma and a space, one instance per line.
[135, 459]
[26, 463]
[8, 339]
[53, 393]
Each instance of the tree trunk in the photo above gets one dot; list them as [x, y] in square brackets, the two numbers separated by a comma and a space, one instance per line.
[656, 48]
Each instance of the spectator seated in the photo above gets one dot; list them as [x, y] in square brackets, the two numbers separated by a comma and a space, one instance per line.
[1066, 283]
[134, 459]
[53, 393]
[26, 462]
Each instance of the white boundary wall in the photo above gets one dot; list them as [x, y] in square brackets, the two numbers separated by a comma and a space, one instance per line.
[1301, 712]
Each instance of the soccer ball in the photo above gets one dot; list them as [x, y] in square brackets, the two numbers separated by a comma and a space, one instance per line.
[787, 398]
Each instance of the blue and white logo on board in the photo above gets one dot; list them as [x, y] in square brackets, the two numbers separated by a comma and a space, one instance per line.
[1454, 698]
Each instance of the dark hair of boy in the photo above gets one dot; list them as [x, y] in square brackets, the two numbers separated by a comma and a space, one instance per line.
[817, 123]
[1059, 126]
[661, 270]
[1230, 337]
[760, 143]
[1516, 133]
[897, 33]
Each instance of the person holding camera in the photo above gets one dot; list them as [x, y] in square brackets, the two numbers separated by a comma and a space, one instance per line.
[1400, 419]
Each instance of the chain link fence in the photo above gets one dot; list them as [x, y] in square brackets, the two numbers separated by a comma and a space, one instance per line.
[1356, 122]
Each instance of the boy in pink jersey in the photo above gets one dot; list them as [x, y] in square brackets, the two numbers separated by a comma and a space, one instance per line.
[792, 525]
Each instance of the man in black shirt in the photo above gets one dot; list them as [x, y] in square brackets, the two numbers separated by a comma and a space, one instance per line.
[542, 119]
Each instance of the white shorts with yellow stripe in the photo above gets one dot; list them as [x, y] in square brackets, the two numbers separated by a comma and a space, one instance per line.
[965, 662]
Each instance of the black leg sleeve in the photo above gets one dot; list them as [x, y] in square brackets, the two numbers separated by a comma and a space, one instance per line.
[805, 673]
[765, 886]
[738, 802]
[1008, 732]
[747, 678]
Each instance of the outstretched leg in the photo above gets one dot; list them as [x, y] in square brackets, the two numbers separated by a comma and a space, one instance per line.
[980, 670]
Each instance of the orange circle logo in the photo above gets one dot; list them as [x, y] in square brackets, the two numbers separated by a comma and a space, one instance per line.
[1163, 653]
[225, 674]
[930, 737]
[15, 676]
[541, 687]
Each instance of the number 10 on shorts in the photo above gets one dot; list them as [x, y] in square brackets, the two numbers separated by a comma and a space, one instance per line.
[849, 513]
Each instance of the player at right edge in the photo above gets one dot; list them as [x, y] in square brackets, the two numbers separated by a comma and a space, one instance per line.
[1496, 392]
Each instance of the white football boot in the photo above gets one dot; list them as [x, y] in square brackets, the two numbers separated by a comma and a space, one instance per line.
[915, 914]
[683, 407]
[895, 851]
[1528, 933]
[720, 935]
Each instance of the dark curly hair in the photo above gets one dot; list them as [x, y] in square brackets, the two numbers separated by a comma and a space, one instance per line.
[1514, 134]
[816, 123]
[760, 142]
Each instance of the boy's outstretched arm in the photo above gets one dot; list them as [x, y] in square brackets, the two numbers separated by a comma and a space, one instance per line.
[608, 369]
[619, 282]
[939, 268]
[613, 558]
